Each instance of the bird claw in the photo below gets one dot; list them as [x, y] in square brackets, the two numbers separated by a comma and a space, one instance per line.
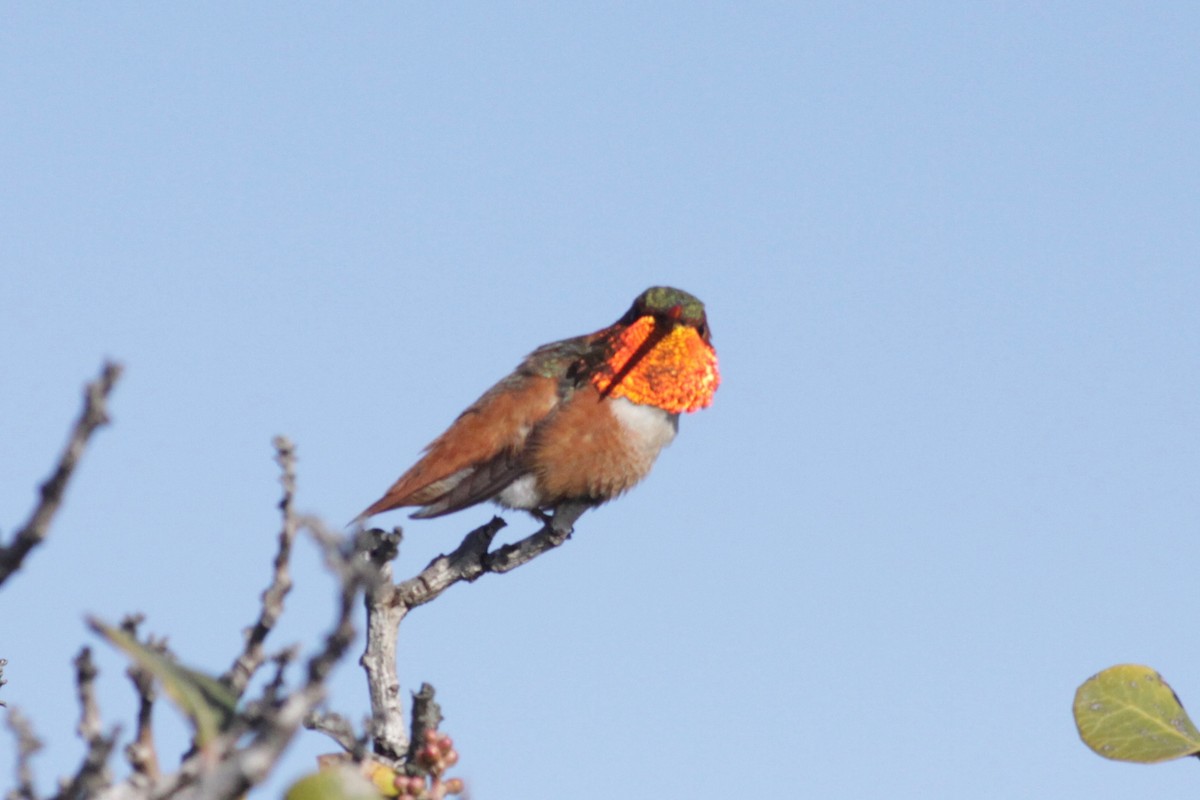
[563, 522]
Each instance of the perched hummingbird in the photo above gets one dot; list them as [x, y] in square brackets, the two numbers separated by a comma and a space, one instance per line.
[577, 423]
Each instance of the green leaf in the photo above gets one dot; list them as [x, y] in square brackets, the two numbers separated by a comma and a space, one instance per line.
[203, 699]
[1129, 713]
[333, 784]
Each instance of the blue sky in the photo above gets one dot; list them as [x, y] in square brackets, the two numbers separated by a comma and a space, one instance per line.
[949, 253]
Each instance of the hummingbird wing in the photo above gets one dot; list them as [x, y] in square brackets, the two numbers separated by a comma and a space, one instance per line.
[476, 485]
[482, 452]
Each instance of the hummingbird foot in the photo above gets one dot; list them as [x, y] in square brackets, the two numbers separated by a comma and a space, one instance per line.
[565, 514]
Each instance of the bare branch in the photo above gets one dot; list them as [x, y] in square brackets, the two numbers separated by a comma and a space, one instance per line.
[274, 688]
[92, 777]
[388, 604]
[347, 561]
[238, 676]
[28, 744]
[94, 415]
[336, 727]
[141, 752]
[378, 660]
[465, 563]
[273, 731]
[93, 774]
[90, 728]
[472, 559]
[426, 716]
[241, 755]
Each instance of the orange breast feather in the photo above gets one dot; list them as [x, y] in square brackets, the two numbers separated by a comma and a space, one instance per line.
[583, 451]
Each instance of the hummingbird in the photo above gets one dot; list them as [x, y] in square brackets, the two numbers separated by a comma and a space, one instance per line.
[577, 423]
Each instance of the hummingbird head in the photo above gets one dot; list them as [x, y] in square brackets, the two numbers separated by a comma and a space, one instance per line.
[660, 353]
[669, 307]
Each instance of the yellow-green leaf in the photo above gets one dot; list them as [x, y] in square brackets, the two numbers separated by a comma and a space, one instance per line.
[1129, 713]
[203, 699]
[341, 783]
[381, 776]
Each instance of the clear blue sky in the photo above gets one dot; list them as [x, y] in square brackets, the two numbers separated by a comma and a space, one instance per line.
[951, 256]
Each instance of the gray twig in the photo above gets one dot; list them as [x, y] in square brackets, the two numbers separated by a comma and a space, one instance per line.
[28, 744]
[90, 728]
[426, 716]
[252, 656]
[243, 768]
[336, 727]
[93, 774]
[141, 752]
[388, 604]
[93, 416]
[472, 559]
[274, 688]
[388, 736]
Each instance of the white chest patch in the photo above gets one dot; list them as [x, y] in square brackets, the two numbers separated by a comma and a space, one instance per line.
[521, 493]
[649, 429]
